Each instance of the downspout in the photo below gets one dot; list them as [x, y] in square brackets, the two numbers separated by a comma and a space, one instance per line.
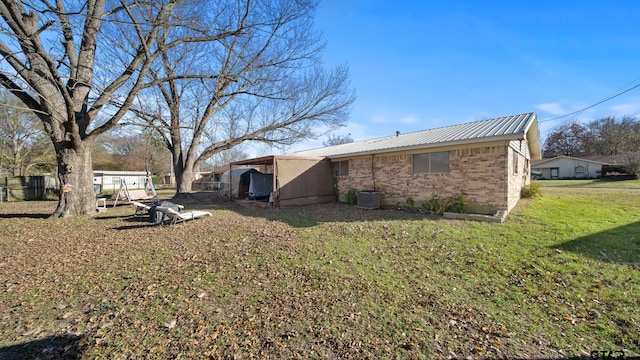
[373, 175]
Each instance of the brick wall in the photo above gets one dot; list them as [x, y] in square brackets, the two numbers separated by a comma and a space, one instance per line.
[483, 173]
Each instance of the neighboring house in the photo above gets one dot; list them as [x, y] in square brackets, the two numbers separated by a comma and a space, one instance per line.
[110, 180]
[488, 160]
[566, 167]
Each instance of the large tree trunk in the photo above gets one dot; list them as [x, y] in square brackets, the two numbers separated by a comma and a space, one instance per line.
[185, 175]
[184, 181]
[182, 168]
[75, 176]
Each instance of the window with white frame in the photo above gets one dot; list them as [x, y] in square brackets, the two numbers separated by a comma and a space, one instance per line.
[431, 163]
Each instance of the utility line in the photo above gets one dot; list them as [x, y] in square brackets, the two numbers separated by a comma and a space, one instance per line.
[593, 105]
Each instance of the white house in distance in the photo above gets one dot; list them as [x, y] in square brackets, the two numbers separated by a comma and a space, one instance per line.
[110, 180]
[566, 167]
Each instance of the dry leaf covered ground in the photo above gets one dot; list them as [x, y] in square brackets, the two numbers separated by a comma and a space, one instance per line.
[327, 281]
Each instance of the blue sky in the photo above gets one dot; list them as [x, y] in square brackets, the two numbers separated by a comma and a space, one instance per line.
[418, 65]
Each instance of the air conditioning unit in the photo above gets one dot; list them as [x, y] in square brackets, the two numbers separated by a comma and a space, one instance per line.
[368, 199]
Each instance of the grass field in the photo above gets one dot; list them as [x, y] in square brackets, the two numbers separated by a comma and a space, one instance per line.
[592, 183]
[560, 278]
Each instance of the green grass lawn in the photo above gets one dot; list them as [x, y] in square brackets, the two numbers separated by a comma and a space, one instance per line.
[592, 183]
[561, 277]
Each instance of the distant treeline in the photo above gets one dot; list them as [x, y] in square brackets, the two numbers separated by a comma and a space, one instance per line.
[607, 136]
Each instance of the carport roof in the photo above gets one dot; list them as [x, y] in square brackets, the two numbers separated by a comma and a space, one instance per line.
[513, 127]
[268, 160]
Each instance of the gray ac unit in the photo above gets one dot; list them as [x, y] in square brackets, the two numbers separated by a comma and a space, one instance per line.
[369, 199]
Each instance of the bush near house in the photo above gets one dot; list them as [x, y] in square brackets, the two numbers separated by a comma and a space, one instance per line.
[628, 171]
[531, 190]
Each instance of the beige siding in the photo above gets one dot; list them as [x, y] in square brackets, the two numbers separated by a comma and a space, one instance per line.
[517, 178]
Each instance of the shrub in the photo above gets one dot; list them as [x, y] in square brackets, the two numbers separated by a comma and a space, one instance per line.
[530, 191]
[436, 204]
[449, 204]
[633, 167]
[351, 196]
[410, 202]
[456, 203]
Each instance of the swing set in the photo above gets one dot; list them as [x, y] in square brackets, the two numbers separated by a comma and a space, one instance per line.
[136, 194]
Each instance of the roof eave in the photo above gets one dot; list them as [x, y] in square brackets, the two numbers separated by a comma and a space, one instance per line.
[544, 161]
[533, 138]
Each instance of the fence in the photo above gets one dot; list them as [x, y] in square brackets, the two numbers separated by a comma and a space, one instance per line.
[23, 188]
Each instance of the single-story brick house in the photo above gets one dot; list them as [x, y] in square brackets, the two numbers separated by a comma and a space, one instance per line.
[488, 160]
[566, 167]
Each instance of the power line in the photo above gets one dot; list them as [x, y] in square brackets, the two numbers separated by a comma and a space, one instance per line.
[593, 105]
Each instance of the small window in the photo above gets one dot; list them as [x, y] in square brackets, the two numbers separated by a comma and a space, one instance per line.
[431, 163]
[341, 168]
[515, 161]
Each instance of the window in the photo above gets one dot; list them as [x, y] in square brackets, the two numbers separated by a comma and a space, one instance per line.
[431, 163]
[515, 161]
[341, 168]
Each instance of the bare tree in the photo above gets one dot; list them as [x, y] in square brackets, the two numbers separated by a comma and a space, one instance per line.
[614, 135]
[333, 140]
[144, 151]
[225, 157]
[606, 136]
[24, 147]
[70, 61]
[567, 139]
[263, 84]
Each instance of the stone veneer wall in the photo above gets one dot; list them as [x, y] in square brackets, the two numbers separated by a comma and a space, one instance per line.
[483, 173]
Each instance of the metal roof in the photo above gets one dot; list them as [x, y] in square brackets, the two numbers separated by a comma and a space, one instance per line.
[503, 128]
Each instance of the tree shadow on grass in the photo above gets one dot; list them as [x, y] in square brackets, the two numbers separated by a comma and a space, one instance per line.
[54, 347]
[316, 214]
[619, 245]
[111, 217]
[137, 222]
[25, 216]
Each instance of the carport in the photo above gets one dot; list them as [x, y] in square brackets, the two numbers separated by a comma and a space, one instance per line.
[297, 180]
